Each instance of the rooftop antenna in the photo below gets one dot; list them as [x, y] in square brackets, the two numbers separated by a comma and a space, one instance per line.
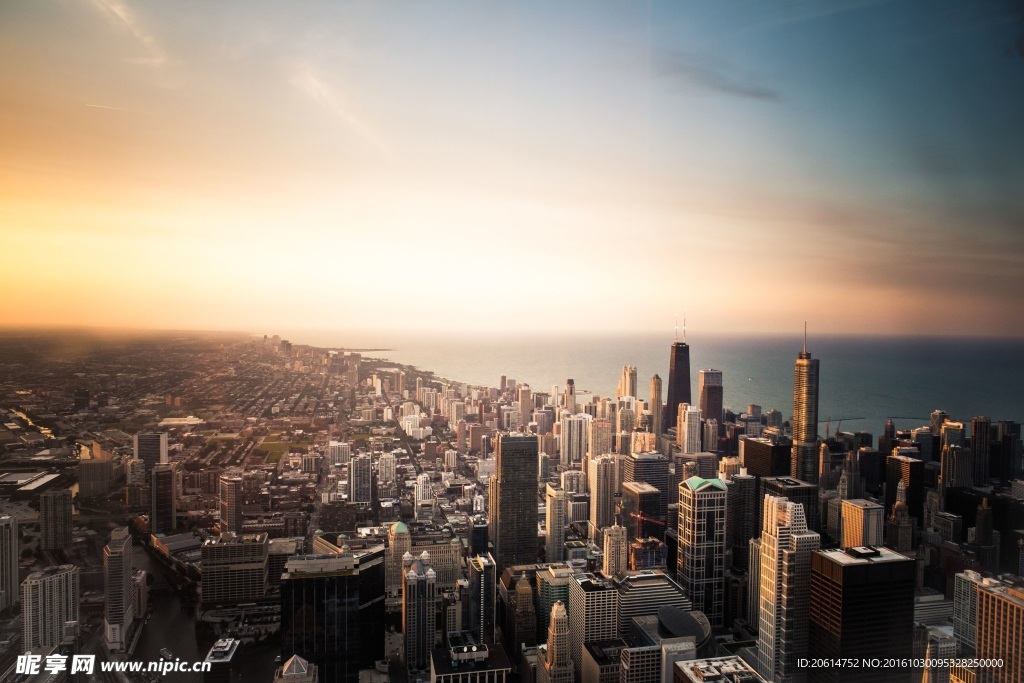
[684, 328]
[805, 336]
[677, 329]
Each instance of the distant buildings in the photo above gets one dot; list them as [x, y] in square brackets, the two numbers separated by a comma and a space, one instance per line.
[151, 449]
[55, 520]
[230, 494]
[360, 480]
[10, 552]
[163, 492]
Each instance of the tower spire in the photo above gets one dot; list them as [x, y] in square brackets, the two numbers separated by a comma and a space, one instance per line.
[684, 328]
[805, 336]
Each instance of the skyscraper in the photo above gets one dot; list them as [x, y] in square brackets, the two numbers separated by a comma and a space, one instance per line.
[627, 382]
[163, 493]
[593, 613]
[710, 396]
[786, 547]
[49, 601]
[151, 448]
[910, 471]
[556, 510]
[863, 523]
[573, 438]
[558, 663]
[701, 552]
[805, 417]
[513, 516]
[569, 399]
[641, 506]
[655, 405]
[419, 622]
[678, 380]
[118, 568]
[55, 520]
[230, 493]
[651, 467]
[981, 443]
[688, 432]
[360, 480]
[862, 605]
[1000, 632]
[615, 546]
[601, 481]
[10, 552]
[332, 612]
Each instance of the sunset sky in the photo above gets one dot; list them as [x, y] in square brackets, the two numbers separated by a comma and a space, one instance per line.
[531, 166]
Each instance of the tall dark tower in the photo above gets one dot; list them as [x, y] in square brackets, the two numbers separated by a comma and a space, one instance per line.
[678, 380]
[514, 501]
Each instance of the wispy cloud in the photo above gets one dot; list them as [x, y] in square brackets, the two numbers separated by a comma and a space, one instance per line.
[323, 93]
[105, 106]
[709, 72]
[123, 16]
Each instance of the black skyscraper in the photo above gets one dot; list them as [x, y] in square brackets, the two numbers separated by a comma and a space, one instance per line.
[332, 612]
[678, 383]
[513, 521]
[862, 606]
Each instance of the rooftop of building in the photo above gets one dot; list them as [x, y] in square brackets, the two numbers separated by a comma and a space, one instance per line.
[606, 652]
[861, 503]
[790, 482]
[223, 650]
[718, 670]
[862, 555]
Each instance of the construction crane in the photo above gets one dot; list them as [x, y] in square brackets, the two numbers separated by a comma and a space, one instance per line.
[839, 423]
[640, 519]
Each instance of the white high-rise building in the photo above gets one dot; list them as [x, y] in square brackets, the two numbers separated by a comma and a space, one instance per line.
[573, 437]
[616, 548]
[688, 430]
[601, 482]
[118, 571]
[339, 452]
[593, 613]
[557, 511]
[423, 493]
[785, 574]
[9, 554]
[702, 540]
[49, 603]
[386, 467]
[627, 382]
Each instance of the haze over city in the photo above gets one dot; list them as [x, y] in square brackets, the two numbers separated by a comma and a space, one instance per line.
[532, 167]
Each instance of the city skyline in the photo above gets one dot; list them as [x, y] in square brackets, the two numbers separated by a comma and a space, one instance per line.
[164, 168]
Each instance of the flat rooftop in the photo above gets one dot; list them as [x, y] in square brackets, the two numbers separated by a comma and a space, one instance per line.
[863, 555]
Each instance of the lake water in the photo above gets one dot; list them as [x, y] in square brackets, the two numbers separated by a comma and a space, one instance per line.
[863, 380]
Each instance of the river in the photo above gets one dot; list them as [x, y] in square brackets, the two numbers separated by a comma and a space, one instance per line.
[172, 626]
